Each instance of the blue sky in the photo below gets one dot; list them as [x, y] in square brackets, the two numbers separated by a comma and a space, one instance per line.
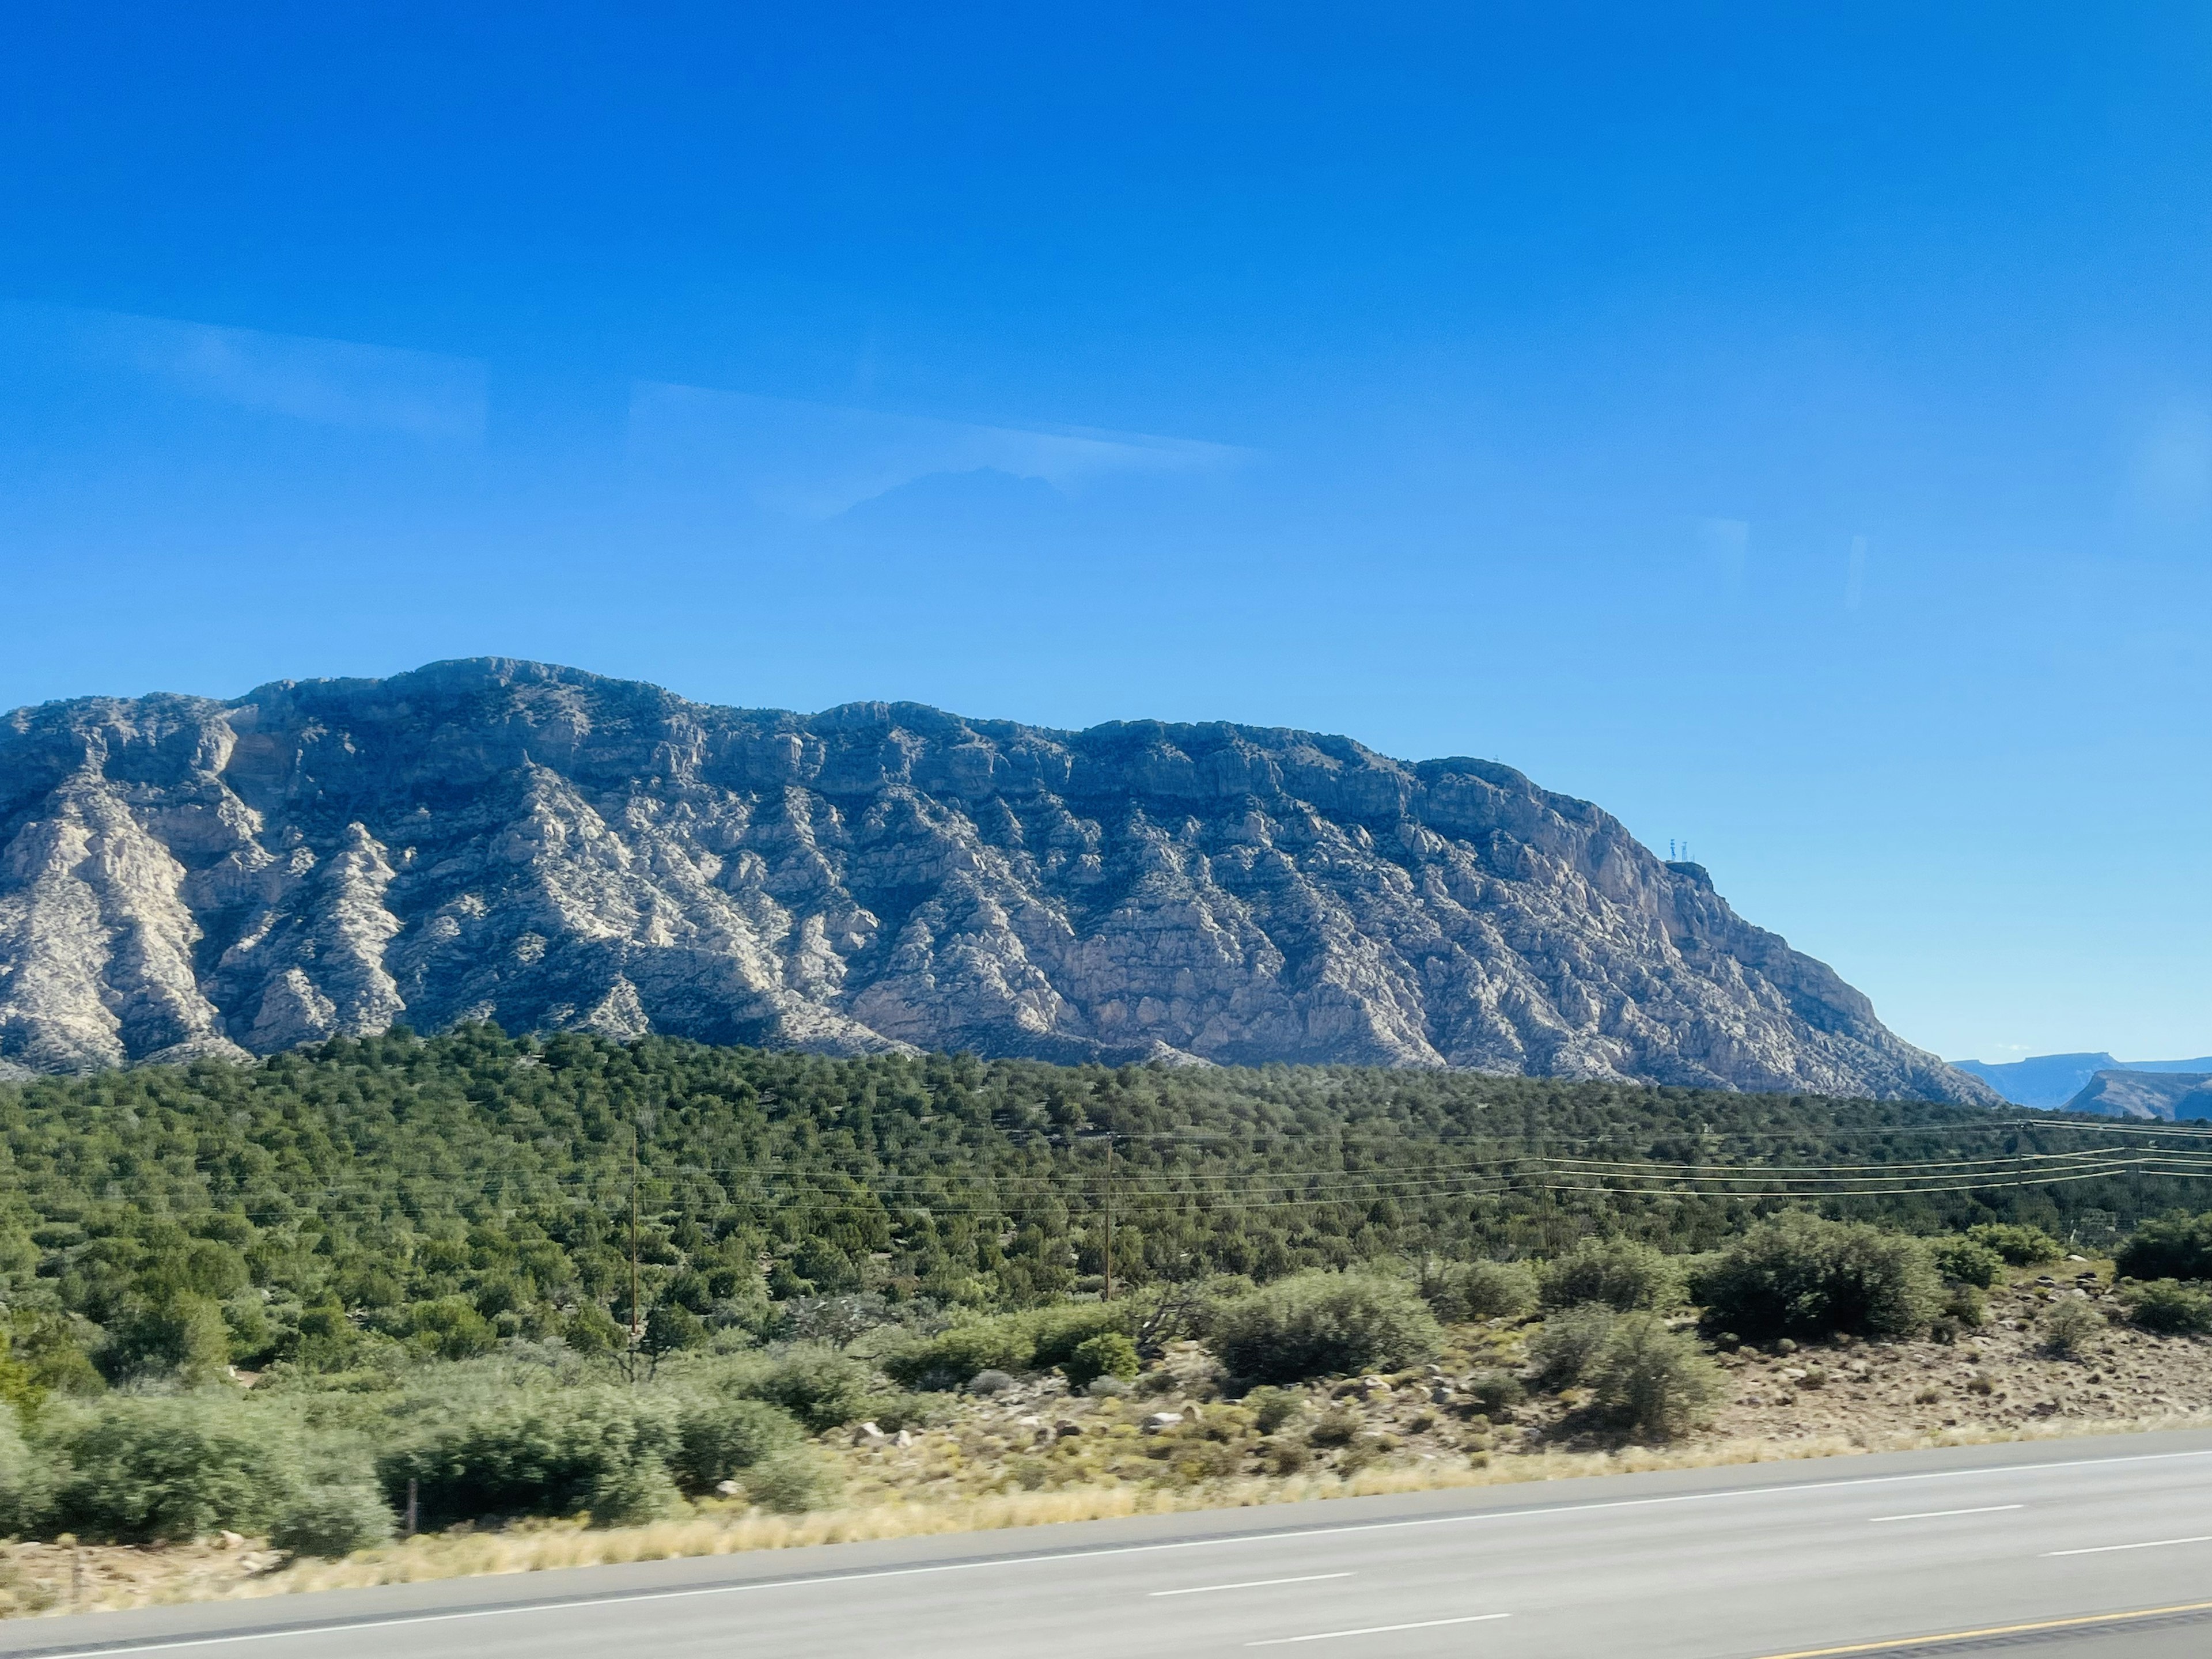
[1794, 434]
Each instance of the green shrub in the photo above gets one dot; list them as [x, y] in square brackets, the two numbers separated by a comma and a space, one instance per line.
[1318, 1322]
[717, 1438]
[159, 1470]
[1965, 1306]
[327, 1339]
[2022, 1246]
[1799, 1276]
[832, 1321]
[451, 1328]
[903, 1409]
[2176, 1247]
[1969, 1262]
[1273, 1407]
[632, 1493]
[331, 1521]
[180, 1335]
[1620, 1272]
[1494, 1393]
[2169, 1307]
[1012, 1343]
[600, 1450]
[27, 1483]
[1057, 1333]
[1335, 1427]
[1563, 1351]
[2070, 1325]
[1459, 1292]
[1655, 1381]
[946, 1362]
[792, 1482]
[1109, 1354]
[820, 1387]
[51, 1359]
[671, 1328]
[592, 1329]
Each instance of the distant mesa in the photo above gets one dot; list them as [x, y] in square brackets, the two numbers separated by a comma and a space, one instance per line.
[493, 840]
[2045, 1080]
[2175, 1095]
[2056, 1080]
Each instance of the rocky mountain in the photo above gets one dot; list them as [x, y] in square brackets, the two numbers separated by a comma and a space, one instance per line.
[2169, 1095]
[507, 841]
[2047, 1080]
[2053, 1080]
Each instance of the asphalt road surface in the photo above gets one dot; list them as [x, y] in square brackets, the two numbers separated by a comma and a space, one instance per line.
[2059, 1550]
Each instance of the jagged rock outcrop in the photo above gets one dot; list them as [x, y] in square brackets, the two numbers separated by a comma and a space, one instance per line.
[507, 841]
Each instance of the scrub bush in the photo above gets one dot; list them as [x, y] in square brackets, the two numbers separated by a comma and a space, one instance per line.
[1012, 1343]
[1494, 1393]
[1109, 1354]
[820, 1387]
[141, 1471]
[27, 1483]
[2169, 1307]
[1461, 1291]
[331, 1521]
[599, 1450]
[1562, 1352]
[792, 1482]
[1273, 1407]
[1056, 1334]
[2070, 1325]
[1965, 1261]
[2177, 1247]
[1798, 1276]
[177, 1334]
[2022, 1246]
[1314, 1323]
[1655, 1381]
[1620, 1272]
[449, 1327]
[717, 1438]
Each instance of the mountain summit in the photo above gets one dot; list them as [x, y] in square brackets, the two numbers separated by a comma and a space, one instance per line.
[508, 840]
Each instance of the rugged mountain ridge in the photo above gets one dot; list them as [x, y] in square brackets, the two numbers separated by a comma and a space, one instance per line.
[2177, 1096]
[509, 841]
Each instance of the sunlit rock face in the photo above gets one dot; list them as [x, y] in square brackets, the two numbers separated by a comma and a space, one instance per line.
[511, 841]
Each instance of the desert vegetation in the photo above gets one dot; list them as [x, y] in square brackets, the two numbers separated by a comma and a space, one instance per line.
[478, 1284]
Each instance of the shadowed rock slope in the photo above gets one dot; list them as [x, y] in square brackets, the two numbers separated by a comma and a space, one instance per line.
[508, 840]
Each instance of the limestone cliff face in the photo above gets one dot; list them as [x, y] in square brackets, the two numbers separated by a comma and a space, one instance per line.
[508, 840]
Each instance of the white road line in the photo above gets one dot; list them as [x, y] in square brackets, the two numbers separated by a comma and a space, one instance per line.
[2154, 1544]
[1377, 1629]
[1287, 1534]
[1252, 1583]
[1937, 1515]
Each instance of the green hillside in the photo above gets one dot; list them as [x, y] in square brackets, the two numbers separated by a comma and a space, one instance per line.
[447, 1192]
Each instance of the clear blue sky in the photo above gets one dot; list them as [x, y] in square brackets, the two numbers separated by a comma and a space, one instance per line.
[1794, 435]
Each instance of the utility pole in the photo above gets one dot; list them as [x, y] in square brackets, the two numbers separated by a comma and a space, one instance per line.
[1110, 1217]
[636, 1314]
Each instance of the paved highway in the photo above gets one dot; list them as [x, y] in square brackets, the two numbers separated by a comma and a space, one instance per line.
[2036, 1547]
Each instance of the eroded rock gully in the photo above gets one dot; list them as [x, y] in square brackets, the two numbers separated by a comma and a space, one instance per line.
[498, 840]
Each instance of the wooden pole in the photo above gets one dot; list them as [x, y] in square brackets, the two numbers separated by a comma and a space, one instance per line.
[1110, 1217]
[636, 1316]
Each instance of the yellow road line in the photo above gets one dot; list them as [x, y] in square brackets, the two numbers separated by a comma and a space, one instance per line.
[1992, 1630]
